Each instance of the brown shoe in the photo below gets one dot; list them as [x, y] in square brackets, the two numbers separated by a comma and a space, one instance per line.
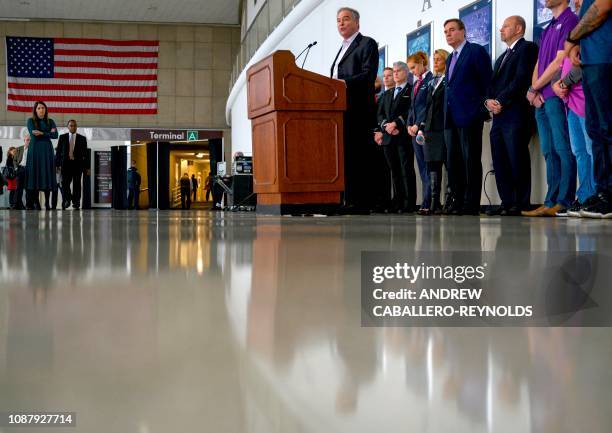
[535, 213]
[552, 211]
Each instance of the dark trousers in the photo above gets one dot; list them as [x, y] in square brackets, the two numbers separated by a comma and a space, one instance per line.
[511, 162]
[598, 97]
[21, 179]
[195, 191]
[464, 153]
[419, 153]
[72, 174]
[406, 156]
[207, 194]
[381, 178]
[397, 178]
[434, 171]
[133, 197]
[358, 152]
[54, 196]
[185, 198]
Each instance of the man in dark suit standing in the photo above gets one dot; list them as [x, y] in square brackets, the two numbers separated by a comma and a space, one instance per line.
[71, 158]
[468, 77]
[392, 135]
[357, 64]
[513, 118]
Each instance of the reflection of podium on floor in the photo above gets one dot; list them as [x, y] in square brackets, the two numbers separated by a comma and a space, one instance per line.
[297, 124]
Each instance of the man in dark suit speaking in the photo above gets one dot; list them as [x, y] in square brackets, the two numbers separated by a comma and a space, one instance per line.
[512, 117]
[468, 76]
[71, 158]
[357, 64]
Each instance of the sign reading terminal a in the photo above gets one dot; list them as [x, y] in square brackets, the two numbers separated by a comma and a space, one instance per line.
[173, 134]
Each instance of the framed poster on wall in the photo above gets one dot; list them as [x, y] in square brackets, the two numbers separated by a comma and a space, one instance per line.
[382, 60]
[419, 40]
[542, 16]
[478, 20]
[102, 177]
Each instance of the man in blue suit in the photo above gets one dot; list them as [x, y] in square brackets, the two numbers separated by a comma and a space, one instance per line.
[468, 76]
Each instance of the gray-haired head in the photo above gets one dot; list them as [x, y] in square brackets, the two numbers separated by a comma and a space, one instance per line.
[352, 11]
[401, 65]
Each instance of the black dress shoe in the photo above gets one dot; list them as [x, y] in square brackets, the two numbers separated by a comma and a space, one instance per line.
[354, 210]
[513, 211]
[495, 211]
[472, 212]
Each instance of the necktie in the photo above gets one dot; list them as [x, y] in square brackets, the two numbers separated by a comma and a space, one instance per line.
[417, 85]
[398, 90]
[452, 64]
[71, 150]
[506, 55]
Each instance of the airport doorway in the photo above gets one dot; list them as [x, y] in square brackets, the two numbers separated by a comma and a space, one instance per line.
[162, 157]
[192, 163]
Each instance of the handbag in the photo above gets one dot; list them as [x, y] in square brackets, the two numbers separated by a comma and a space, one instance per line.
[9, 172]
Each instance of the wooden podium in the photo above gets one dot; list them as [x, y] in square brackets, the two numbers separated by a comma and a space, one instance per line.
[298, 137]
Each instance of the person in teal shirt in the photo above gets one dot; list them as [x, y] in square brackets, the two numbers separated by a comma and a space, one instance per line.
[40, 166]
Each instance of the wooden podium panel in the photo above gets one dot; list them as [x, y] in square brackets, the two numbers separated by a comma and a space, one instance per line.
[298, 138]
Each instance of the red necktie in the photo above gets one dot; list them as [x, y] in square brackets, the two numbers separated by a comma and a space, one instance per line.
[416, 86]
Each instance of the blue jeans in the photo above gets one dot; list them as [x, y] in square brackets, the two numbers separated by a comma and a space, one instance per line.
[419, 152]
[555, 143]
[582, 148]
[598, 97]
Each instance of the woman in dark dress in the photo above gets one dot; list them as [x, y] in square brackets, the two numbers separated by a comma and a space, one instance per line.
[40, 166]
[432, 130]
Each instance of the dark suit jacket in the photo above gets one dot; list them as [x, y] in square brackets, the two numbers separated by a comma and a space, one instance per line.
[418, 108]
[434, 117]
[80, 151]
[358, 68]
[510, 83]
[466, 89]
[394, 110]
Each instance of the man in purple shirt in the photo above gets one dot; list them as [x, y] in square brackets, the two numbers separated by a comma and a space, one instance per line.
[551, 116]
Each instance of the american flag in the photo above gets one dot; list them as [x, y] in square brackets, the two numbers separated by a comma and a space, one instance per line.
[97, 76]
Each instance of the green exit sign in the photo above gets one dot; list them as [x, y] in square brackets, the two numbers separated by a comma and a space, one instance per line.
[192, 135]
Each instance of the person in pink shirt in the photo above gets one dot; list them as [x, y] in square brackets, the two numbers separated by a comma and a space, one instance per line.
[569, 88]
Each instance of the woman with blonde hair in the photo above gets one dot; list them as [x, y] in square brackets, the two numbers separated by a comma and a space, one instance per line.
[418, 63]
[431, 132]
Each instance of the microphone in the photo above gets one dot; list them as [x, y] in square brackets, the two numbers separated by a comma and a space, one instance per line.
[308, 52]
[310, 45]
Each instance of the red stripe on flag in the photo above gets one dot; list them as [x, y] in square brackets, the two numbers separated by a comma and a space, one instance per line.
[57, 98]
[85, 110]
[106, 65]
[93, 88]
[108, 42]
[103, 53]
[119, 77]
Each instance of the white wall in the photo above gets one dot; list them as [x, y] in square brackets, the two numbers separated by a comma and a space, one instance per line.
[388, 23]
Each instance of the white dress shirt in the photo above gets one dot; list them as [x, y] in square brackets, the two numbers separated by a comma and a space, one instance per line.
[345, 46]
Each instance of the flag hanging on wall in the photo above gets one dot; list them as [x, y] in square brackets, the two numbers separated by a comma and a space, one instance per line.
[96, 76]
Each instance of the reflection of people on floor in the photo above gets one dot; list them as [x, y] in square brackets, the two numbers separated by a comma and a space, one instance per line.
[185, 192]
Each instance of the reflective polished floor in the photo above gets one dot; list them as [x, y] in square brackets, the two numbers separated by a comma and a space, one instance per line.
[172, 322]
